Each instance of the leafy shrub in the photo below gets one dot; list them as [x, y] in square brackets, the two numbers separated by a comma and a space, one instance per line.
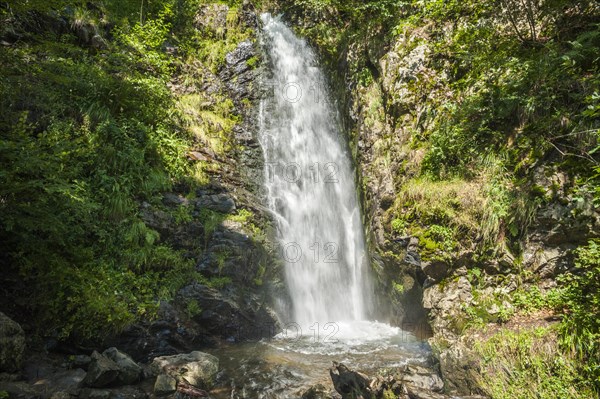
[580, 328]
[87, 135]
[527, 364]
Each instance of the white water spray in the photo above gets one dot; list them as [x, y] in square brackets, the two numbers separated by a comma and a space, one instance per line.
[311, 188]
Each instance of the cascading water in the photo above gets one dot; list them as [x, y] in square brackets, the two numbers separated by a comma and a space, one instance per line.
[311, 187]
[312, 194]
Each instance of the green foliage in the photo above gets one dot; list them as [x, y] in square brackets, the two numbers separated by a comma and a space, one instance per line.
[252, 62]
[532, 299]
[398, 226]
[388, 394]
[260, 273]
[210, 221]
[526, 364]
[183, 214]
[580, 328]
[86, 136]
[247, 219]
[193, 308]
[219, 282]
[398, 287]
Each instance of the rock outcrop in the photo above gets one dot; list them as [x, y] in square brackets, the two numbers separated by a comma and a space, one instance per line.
[12, 344]
[410, 382]
[196, 368]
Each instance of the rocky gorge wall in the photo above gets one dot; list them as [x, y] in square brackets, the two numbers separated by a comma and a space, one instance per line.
[209, 217]
[446, 248]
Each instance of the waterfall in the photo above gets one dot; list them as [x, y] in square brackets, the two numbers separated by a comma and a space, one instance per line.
[310, 186]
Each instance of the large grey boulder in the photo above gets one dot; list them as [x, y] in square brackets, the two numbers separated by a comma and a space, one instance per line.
[444, 304]
[420, 378]
[460, 369]
[129, 371]
[12, 344]
[101, 372]
[165, 385]
[196, 368]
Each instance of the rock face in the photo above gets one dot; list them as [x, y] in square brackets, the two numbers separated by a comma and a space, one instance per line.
[385, 115]
[226, 229]
[350, 384]
[411, 382]
[421, 378]
[444, 304]
[102, 372]
[317, 392]
[12, 344]
[222, 316]
[460, 369]
[196, 368]
[111, 368]
[165, 385]
[129, 371]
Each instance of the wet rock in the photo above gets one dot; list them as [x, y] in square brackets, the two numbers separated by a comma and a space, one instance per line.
[95, 394]
[165, 385]
[81, 361]
[415, 393]
[348, 383]
[12, 344]
[196, 368]
[317, 392]
[129, 371]
[101, 372]
[412, 382]
[222, 203]
[172, 199]
[460, 369]
[212, 18]
[162, 337]
[243, 52]
[237, 72]
[20, 390]
[129, 392]
[224, 316]
[444, 304]
[60, 395]
[189, 391]
[420, 378]
[67, 381]
[436, 270]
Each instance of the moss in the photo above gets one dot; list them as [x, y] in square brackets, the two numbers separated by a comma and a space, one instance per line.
[252, 62]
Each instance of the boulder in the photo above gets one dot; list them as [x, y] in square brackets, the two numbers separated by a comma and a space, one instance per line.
[222, 203]
[81, 361]
[348, 383]
[460, 370]
[101, 372]
[420, 378]
[317, 392]
[165, 385]
[190, 391]
[60, 395]
[12, 344]
[196, 368]
[95, 394]
[436, 270]
[444, 304]
[66, 381]
[129, 371]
